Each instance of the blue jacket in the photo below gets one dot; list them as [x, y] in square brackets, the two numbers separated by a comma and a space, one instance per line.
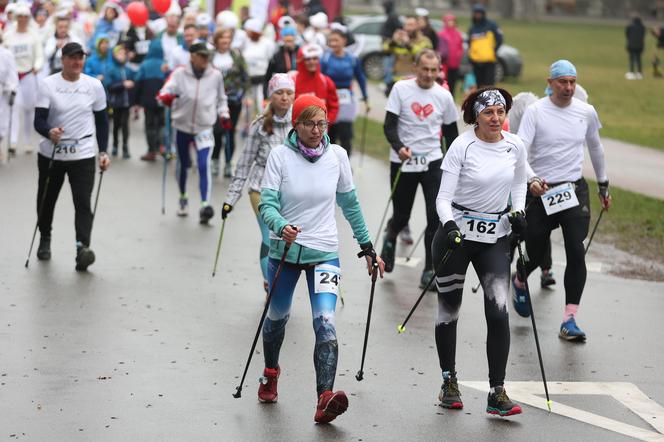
[150, 78]
[118, 95]
[342, 70]
[98, 64]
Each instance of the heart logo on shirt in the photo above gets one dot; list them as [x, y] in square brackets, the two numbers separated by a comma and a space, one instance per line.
[422, 112]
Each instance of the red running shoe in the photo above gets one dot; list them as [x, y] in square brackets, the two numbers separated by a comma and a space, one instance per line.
[330, 405]
[267, 390]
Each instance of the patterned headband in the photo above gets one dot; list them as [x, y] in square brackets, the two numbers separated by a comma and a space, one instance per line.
[492, 97]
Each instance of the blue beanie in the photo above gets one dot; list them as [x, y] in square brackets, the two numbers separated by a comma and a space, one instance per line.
[560, 68]
[288, 31]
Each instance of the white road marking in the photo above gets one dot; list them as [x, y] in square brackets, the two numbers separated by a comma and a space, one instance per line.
[401, 261]
[624, 392]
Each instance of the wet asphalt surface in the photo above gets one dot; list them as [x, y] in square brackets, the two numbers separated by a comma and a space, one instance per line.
[146, 345]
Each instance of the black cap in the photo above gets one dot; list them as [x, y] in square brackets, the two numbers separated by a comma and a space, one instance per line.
[72, 49]
[199, 48]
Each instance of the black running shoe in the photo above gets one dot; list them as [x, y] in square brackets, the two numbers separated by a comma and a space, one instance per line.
[498, 403]
[84, 258]
[44, 249]
[449, 395]
[387, 254]
[547, 279]
[206, 213]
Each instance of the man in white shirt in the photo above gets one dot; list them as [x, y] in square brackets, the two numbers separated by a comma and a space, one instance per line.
[71, 109]
[555, 130]
[180, 55]
[418, 111]
[8, 88]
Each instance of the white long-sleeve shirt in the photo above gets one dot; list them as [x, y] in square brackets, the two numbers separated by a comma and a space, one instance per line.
[27, 49]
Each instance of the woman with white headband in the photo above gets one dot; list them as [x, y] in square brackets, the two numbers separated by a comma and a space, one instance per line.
[482, 168]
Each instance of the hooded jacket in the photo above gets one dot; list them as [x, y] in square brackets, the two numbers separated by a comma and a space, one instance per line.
[451, 40]
[118, 95]
[636, 34]
[197, 103]
[484, 39]
[98, 64]
[150, 78]
[319, 85]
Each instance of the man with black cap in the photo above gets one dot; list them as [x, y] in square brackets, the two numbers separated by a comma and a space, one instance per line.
[70, 109]
[197, 97]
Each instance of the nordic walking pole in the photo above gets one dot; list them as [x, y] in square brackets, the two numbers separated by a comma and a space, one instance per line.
[167, 154]
[41, 204]
[402, 327]
[221, 236]
[374, 274]
[94, 211]
[238, 389]
[363, 143]
[12, 96]
[599, 218]
[524, 278]
[387, 206]
[417, 243]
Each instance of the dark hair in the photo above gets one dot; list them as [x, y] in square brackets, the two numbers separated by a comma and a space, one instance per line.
[189, 26]
[339, 32]
[414, 17]
[468, 105]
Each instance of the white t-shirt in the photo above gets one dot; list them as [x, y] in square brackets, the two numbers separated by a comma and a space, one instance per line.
[223, 62]
[555, 137]
[257, 55]
[487, 174]
[421, 113]
[308, 192]
[71, 106]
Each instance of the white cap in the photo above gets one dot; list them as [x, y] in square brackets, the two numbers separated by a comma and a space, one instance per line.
[62, 13]
[318, 20]
[253, 25]
[339, 27]
[286, 21]
[203, 20]
[227, 20]
[174, 9]
[311, 50]
[421, 12]
[10, 8]
[22, 9]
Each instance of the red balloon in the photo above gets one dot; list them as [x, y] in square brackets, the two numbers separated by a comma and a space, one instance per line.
[138, 13]
[161, 6]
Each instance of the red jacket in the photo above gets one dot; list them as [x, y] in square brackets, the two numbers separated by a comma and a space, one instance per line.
[317, 84]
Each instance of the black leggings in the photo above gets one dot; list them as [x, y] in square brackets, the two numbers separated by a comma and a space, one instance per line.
[404, 197]
[574, 223]
[452, 77]
[635, 61]
[81, 175]
[491, 262]
[234, 108]
[154, 123]
[344, 133]
[121, 121]
[485, 74]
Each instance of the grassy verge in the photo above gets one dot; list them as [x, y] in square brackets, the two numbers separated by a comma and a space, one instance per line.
[634, 224]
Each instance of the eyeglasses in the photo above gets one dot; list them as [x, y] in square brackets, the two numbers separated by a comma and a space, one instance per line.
[309, 125]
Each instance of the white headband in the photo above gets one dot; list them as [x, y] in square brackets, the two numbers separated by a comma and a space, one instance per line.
[488, 98]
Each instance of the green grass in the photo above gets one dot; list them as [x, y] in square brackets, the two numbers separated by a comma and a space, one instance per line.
[634, 224]
[629, 110]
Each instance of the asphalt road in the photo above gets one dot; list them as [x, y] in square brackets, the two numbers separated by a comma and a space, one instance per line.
[148, 346]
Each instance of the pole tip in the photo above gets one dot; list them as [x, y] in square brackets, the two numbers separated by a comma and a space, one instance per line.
[359, 376]
[214, 273]
[26, 263]
[548, 404]
[238, 393]
[401, 328]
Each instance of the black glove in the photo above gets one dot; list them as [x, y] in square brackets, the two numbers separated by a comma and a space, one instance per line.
[225, 210]
[12, 96]
[454, 238]
[603, 189]
[368, 250]
[519, 225]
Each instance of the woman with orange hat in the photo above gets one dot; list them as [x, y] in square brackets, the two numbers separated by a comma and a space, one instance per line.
[303, 179]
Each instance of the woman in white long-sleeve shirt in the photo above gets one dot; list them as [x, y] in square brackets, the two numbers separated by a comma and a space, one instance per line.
[482, 168]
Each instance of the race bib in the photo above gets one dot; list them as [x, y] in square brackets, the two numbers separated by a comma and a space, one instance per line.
[326, 279]
[482, 227]
[415, 164]
[345, 96]
[204, 139]
[142, 47]
[559, 198]
[66, 147]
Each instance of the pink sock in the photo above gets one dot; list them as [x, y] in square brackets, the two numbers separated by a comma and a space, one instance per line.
[517, 282]
[570, 311]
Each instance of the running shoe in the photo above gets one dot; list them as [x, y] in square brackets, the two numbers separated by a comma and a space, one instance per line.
[215, 167]
[424, 280]
[520, 299]
[405, 236]
[498, 403]
[547, 279]
[569, 331]
[150, 156]
[206, 213]
[184, 206]
[330, 405]
[228, 172]
[267, 390]
[126, 155]
[449, 395]
[388, 252]
[44, 249]
[84, 258]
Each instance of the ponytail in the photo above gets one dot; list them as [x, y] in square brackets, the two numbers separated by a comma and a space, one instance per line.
[268, 119]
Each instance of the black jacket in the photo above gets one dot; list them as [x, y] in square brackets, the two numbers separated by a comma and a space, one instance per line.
[635, 34]
[282, 62]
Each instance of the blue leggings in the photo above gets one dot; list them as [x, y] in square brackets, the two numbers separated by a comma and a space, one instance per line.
[184, 141]
[322, 308]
